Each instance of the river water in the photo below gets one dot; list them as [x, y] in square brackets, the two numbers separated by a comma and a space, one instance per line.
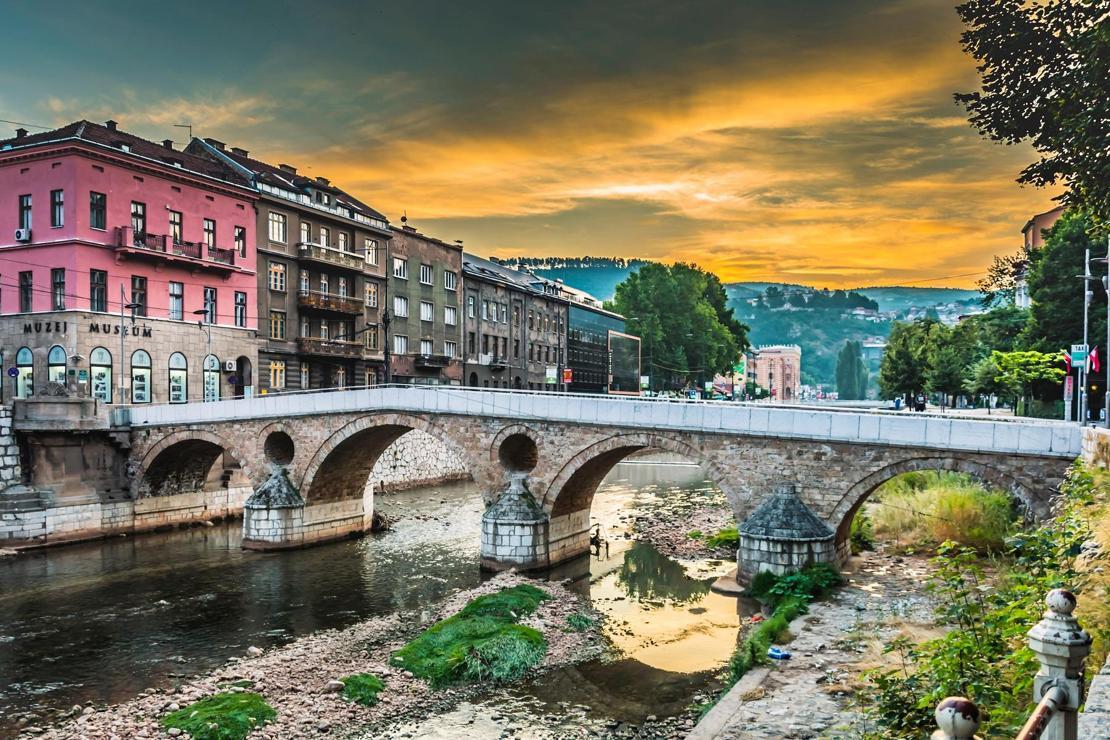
[104, 621]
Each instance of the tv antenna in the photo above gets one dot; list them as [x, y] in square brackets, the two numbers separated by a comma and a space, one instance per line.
[185, 125]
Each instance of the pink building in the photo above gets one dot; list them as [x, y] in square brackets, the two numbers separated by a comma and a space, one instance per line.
[91, 218]
[777, 368]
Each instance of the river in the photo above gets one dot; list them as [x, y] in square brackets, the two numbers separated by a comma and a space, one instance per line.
[102, 621]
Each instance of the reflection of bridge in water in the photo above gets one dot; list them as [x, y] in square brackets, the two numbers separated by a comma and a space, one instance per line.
[321, 447]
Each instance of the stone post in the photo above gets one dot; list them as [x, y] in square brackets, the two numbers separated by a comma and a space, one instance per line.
[273, 517]
[1061, 647]
[957, 718]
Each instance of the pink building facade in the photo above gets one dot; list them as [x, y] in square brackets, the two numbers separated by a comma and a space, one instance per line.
[92, 219]
[777, 368]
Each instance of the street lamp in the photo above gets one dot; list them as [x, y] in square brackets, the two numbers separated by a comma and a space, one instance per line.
[123, 304]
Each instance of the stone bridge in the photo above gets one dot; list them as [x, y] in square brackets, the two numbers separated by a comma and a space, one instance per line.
[307, 457]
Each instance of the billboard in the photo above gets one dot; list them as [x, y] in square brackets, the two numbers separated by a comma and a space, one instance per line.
[624, 363]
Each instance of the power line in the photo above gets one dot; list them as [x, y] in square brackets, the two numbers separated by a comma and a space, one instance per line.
[21, 123]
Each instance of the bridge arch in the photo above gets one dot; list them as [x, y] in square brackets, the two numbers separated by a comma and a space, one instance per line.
[573, 487]
[182, 461]
[1035, 502]
[341, 465]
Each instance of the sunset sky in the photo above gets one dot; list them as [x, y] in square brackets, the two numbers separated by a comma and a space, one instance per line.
[804, 141]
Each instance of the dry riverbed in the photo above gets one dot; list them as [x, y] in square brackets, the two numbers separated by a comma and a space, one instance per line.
[294, 678]
[814, 695]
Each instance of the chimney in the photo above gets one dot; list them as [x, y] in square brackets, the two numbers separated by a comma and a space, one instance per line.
[239, 151]
[288, 168]
[110, 124]
[20, 133]
[168, 143]
[323, 181]
[216, 143]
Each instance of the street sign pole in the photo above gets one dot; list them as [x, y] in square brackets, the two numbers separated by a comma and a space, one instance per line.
[1087, 293]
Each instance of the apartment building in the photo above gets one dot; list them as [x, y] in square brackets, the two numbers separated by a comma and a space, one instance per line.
[321, 276]
[424, 326]
[127, 269]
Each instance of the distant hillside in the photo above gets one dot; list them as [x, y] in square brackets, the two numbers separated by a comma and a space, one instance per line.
[819, 321]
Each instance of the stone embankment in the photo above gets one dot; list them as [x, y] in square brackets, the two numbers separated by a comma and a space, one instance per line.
[839, 639]
[416, 459]
[294, 679]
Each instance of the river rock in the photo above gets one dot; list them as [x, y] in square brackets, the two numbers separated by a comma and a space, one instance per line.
[333, 687]
[254, 651]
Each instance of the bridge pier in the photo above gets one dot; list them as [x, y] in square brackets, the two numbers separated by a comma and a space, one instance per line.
[783, 535]
[515, 530]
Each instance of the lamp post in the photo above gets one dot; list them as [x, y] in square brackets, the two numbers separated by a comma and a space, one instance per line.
[1082, 369]
[123, 304]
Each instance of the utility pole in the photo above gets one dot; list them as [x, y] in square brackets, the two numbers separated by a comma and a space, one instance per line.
[1087, 294]
[1106, 286]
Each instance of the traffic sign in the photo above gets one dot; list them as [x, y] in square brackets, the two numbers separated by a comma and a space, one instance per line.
[1079, 348]
[1069, 388]
[13, 372]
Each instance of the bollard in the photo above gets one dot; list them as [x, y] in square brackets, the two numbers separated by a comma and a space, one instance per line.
[957, 718]
[1061, 647]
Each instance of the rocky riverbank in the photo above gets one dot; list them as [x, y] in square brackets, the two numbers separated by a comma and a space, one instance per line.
[294, 679]
[670, 531]
[834, 644]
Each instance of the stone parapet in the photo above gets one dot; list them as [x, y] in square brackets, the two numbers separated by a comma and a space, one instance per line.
[1095, 719]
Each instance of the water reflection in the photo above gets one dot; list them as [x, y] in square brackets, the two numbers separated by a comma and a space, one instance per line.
[647, 574]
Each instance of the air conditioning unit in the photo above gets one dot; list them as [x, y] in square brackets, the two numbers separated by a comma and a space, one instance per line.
[229, 366]
[23, 235]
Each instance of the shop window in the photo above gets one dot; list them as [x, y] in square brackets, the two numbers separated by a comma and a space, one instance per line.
[179, 378]
[211, 377]
[56, 365]
[100, 366]
[140, 377]
[25, 379]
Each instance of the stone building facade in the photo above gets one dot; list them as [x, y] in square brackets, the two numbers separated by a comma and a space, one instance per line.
[109, 222]
[514, 334]
[321, 276]
[425, 297]
[778, 368]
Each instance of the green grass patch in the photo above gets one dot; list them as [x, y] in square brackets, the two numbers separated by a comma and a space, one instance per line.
[695, 534]
[362, 688]
[481, 642]
[727, 537]
[229, 716]
[580, 622]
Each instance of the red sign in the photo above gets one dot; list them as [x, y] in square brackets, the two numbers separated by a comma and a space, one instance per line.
[568, 376]
[1068, 388]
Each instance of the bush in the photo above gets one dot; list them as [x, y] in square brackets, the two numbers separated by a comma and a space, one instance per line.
[229, 716]
[727, 537]
[806, 584]
[362, 688]
[580, 622]
[482, 641]
[985, 656]
[923, 509]
[861, 536]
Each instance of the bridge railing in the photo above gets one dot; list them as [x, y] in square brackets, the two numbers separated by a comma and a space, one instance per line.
[903, 413]
[1061, 647]
[750, 419]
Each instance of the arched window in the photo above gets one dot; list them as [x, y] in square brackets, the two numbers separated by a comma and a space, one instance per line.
[25, 366]
[140, 377]
[211, 378]
[179, 378]
[100, 365]
[56, 365]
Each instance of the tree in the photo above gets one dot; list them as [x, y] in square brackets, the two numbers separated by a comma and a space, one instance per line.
[1000, 284]
[1018, 372]
[680, 313]
[851, 373]
[981, 379]
[903, 368]
[999, 328]
[1045, 69]
[1056, 314]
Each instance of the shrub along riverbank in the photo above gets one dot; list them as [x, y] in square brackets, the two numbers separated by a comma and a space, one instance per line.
[984, 656]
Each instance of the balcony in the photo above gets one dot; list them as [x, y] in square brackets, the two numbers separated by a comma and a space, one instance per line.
[329, 302]
[494, 362]
[330, 347]
[432, 361]
[330, 256]
[162, 248]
